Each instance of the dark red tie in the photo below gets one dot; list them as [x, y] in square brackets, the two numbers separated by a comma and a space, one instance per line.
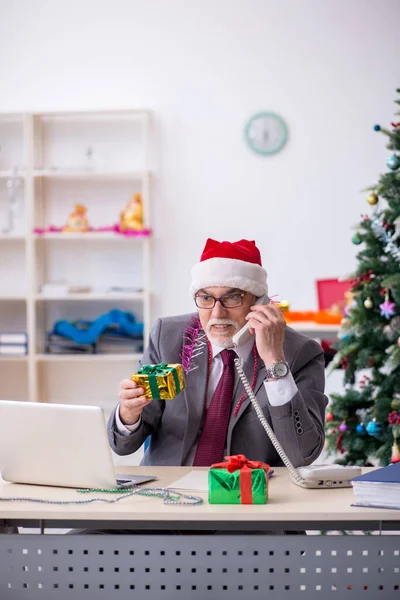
[211, 444]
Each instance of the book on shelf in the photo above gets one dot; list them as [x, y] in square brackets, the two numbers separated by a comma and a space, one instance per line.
[57, 288]
[13, 349]
[118, 344]
[13, 338]
[105, 344]
[57, 344]
[379, 488]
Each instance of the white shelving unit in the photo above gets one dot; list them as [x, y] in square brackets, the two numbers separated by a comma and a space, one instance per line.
[98, 159]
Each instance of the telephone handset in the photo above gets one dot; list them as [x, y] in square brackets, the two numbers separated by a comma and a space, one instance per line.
[314, 476]
[244, 335]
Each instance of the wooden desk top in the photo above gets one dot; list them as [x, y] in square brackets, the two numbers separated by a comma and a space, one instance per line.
[287, 502]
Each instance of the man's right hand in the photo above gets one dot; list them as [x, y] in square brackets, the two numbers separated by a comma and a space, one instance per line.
[132, 401]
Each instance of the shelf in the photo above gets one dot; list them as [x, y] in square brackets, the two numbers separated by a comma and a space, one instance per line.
[12, 297]
[6, 173]
[96, 114]
[100, 159]
[9, 237]
[90, 175]
[311, 327]
[89, 235]
[91, 296]
[87, 357]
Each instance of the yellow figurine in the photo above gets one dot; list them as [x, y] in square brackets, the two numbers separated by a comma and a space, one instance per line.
[132, 217]
[77, 221]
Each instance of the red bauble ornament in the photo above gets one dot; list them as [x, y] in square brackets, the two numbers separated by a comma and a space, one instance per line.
[395, 453]
[329, 417]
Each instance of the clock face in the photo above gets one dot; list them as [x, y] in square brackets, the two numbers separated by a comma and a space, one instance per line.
[266, 133]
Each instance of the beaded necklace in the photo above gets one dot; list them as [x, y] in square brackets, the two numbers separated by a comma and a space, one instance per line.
[253, 382]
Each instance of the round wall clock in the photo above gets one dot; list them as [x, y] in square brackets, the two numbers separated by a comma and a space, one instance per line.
[266, 133]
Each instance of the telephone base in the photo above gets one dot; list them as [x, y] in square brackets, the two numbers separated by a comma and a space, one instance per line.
[327, 476]
[322, 484]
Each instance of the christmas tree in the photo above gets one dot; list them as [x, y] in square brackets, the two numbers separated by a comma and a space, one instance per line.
[363, 423]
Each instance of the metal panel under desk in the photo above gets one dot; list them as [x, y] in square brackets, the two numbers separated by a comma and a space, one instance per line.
[173, 567]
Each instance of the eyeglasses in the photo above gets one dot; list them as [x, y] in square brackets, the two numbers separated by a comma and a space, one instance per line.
[227, 300]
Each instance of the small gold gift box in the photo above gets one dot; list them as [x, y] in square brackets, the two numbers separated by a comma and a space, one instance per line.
[162, 381]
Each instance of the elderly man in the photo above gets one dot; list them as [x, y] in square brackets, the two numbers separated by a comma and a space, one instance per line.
[213, 417]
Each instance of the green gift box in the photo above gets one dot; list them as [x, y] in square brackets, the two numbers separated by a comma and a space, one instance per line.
[238, 481]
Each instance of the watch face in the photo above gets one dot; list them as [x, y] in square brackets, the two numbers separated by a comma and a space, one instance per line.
[281, 369]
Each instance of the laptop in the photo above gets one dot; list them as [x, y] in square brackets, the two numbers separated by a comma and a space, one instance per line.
[58, 445]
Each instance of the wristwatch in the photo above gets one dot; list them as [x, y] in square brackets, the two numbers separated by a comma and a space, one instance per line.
[277, 370]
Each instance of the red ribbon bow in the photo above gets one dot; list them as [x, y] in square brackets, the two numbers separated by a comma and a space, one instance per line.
[239, 462]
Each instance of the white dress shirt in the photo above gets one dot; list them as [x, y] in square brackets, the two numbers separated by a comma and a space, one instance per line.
[279, 392]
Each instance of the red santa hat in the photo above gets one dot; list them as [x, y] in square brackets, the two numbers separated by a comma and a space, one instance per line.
[230, 264]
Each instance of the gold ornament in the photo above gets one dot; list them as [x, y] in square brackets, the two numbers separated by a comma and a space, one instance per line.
[77, 220]
[368, 303]
[373, 199]
[283, 305]
[131, 219]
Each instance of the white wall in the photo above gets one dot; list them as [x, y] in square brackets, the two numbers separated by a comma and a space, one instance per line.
[204, 66]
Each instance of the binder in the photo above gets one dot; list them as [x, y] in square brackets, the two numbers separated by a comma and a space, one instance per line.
[379, 488]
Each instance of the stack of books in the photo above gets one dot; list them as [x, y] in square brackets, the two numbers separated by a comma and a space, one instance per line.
[58, 344]
[107, 343]
[379, 488]
[110, 343]
[13, 344]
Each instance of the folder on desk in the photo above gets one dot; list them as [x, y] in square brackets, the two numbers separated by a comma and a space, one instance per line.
[379, 488]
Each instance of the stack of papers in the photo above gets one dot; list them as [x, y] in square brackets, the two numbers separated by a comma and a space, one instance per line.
[194, 481]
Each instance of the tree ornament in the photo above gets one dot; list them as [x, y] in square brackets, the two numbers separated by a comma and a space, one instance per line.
[356, 239]
[393, 162]
[339, 445]
[395, 324]
[373, 199]
[395, 452]
[374, 428]
[394, 422]
[368, 303]
[387, 308]
[329, 417]
[396, 402]
[394, 418]
[377, 127]
[388, 331]
[343, 427]
[360, 428]
[398, 341]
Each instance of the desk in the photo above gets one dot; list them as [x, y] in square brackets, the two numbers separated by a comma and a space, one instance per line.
[240, 564]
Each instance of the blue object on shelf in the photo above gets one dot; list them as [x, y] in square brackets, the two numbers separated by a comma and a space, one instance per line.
[87, 332]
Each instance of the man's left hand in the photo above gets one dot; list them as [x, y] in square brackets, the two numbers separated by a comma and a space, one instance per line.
[268, 325]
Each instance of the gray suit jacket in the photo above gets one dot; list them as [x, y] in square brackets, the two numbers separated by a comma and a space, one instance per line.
[174, 424]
